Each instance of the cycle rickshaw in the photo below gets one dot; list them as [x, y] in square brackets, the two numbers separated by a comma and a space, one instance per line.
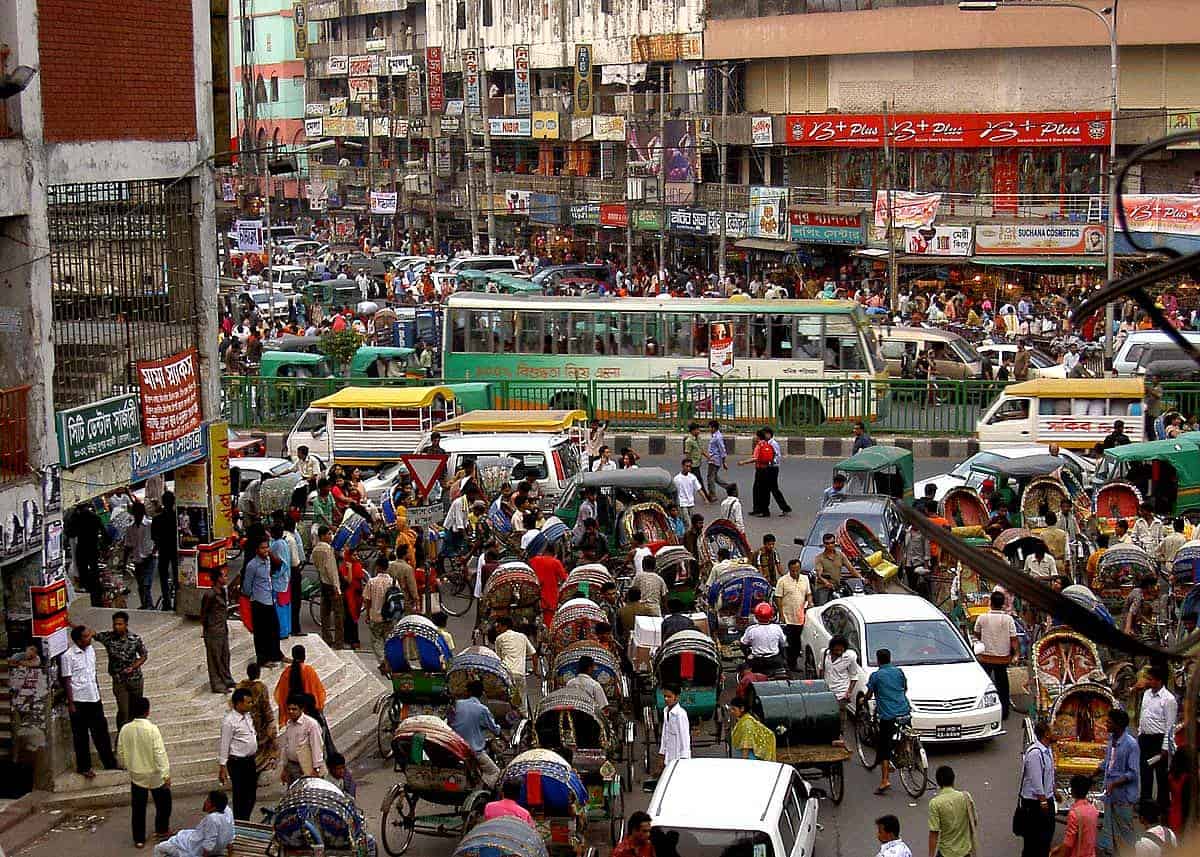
[691, 660]
[315, 814]
[555, 796]
[501, 837]
[734, 595]
[509, 708]
[417, 657]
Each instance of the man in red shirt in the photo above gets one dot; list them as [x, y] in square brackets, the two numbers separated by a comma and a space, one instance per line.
[550, 574]
[637, 837]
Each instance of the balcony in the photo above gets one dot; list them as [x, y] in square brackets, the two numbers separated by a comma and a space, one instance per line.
[1074, 208]
[14, 435]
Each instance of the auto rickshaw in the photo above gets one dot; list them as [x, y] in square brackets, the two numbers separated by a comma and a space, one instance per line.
[1011, 477]
[617, 491]
[340, 291]
[375, 361]
[1165, 472]
[293, 364]
[879, 470]
[496, 282]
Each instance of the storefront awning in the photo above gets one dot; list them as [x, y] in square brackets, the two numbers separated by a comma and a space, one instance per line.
[1040, 261]
[770, 244]
[921, 259]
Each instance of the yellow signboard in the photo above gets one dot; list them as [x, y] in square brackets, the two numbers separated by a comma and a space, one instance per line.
[545, 125]
[220, 487]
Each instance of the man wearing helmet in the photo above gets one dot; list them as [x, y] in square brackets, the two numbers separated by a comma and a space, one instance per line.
[766, 641]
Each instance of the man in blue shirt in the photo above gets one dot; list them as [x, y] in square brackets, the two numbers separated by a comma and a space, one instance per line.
[716, 456]
[281, 578]
[1037, 792]
[1122, 785]
[471, 719]
[889, 686]
[256, 585]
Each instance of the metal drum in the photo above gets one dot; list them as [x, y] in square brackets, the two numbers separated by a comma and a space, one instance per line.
[501, 837]
[315, 810]
[799, 712]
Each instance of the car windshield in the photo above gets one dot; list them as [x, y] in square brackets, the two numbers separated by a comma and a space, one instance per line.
[965, 350]
[283, 468]
[691, 842]
[1041, 360]
[916, 643]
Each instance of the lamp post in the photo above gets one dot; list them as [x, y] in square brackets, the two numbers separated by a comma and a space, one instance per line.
[1108, 17]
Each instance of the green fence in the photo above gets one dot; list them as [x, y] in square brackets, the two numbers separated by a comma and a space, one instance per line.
[816, 407]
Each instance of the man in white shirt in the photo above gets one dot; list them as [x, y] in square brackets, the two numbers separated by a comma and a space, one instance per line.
[676, 741]
[1147, 530]
[731, 507]
[604, 461]
[457, 522]
[212, 836]
[1040, 564]
[766, 642]
[997, 630]
[887, 831]
[586, 684]
[306, 465]
[640, 551]
[1156, 836]
[1156, 729]
[514, 648]
[686, 486]
[77, 668]
[236, 754]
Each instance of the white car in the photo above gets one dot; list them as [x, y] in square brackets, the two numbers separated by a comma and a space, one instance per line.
[251, 469]
[962, 474]
[951, 696]
[1041, 364]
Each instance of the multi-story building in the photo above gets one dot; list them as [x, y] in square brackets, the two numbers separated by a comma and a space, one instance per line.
[107, 272]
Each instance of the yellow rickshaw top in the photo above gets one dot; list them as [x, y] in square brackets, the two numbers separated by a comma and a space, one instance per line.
[1080, 388]
[384, 397]
[488, 422]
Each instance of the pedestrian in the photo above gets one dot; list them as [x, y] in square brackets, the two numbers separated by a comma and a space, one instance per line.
[263, 714]
[1122, 784]
[213, 835]
[471, 719]
[332, 608]
[862, 440]
[164, 529]
[237, 752]
[997, 631]
[281, 579]
[692, 448]
[952, 818]
[637, 841]
[731, 507]
[1083, 822]
[307, 465]
[836, 489]
[551, 575]
[126, 655]
[633, 607]
[595, 440]
[676, 740]
[1157, 839]
[352, 578]
[793, 597]
[405, 576]
[766, 559]
[1036, 809]
[214, 628]
[375, 601]
[88, 532]
[827, 570]
[686, 487]
[77, 668]
[887, 831]
[717, 458]
[507, 804]
[1156, 730]
[773, 475]
[761, 457]
[1180, 781]
[139, 550]
[339, 772]
[839, 668]
[303, 744]
[256, 585]
[141, 752]
[513, 649]
[749, 737]
[889, 686]
[299, 678]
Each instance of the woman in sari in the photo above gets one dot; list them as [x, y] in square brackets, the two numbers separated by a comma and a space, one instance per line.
[351, 572]
[264, 719]
[750, 738]
[298, 678]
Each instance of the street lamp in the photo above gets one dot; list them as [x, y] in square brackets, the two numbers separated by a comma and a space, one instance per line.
[1108, 17]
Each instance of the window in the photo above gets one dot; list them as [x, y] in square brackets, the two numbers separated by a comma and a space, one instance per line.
[260, 90]
[507, 331]
[924, 641]
[606, 6]
[679, 334]
[458, 330]
[843, 348]
[1054, 407]
[640, 334]
[529, 333]
[313, 422]
[274, 87]
[703, 842]
[486, 5]
[607, 332]
[1011, 410]
[557, 333]
[582, 332]
[808, 337]
[479, 339]
[789, 825]
[530, 465]
[460, 15]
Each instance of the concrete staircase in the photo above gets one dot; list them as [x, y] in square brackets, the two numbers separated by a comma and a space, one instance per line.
[189, 714]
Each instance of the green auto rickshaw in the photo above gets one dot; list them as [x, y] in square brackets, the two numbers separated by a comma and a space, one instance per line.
[496, 282]
[1166, 472]
[338, 292]
[879, 470]
[293, 364]
[377, 361]
[618, 490]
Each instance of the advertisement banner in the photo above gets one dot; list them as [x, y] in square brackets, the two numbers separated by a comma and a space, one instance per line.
[517, 201]
[337, 65]
[98, 429]
[668, 47]
[399, 65]
[609, 128]
[647, 219]
[383, 202]
[1171, 213]
[680, 151]
[583, 80]
[816, 227]
[314, 128]
[545, 125]
[191, 485]
[509, 126]
[363, 65]
[339, 105]
[170, 390]
[436, 83]
[521, 88]
[300, 25]
[442, 164]
[1037, 239]
[362, 89]
[249, 235]
[761, 131]
[316, 108]
[220, 487]
[470, 64]
[950, 130]
[146, 461]
[614, 214]
[643, 153]
[545, 208]
[450, 125]
[49, 608]
[585, 214]
[939, 241]
[909, 209]
[416, 101]
[688, 221]
[767, 217]
[720, 347]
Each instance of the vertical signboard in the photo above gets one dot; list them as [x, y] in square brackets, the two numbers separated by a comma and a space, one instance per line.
[220, 488]
[300, 20]
[436, 84]
[521, 80]
[416, 104]
[470, 64]
[583, 80]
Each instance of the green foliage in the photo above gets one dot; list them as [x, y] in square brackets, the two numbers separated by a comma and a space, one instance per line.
[339, 346]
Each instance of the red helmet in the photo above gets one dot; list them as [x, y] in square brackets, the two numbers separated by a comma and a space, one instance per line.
[764, 612]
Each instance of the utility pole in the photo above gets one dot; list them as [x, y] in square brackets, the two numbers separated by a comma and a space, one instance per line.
[723, 160]
[484, 95]
[889, 155]
[472, 196]
[429, 154]
[662, 166]
[628, 201]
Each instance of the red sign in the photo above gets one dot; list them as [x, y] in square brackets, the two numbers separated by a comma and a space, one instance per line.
[614, 214]
[436, 85]
[950, 130]
[425, 468]
[170, 391]
[817, 218]
[49, 608]
[1172, 213]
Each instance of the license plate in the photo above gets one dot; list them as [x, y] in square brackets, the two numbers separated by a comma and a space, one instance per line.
[947, 733]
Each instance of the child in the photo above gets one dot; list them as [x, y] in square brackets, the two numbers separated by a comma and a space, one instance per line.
[439, 619]
[339, 772]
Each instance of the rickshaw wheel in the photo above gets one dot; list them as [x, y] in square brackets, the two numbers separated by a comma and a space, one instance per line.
[388, 721]
[616, 821]
[837, 783]
[474, 814]
[314, 608]
[1122, 677]
[865, 736]
[398, 831]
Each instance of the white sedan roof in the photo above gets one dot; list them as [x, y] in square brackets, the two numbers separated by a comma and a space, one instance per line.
[890, 608]
[686, 797]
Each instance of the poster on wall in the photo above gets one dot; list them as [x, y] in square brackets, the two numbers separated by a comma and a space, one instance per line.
[220, 485]
[170, 390]
[644, 152]
[521, 89]
[767, 218]
[52, 489]
[720, 347]
[436, 84]
[761, 131]
[470, 64]
[681, 153]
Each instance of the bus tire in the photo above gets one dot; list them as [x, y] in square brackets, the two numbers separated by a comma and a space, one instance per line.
[797, 411]
[568, 402]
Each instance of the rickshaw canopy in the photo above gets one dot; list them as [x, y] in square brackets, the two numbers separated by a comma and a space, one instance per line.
[1079, 388]
[1022, 468]
[317, 365]
[385, 397]
[880, 460]
[641, 479]
[498, 281]
[366, 355]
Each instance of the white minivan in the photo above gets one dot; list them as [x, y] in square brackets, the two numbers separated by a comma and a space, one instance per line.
[708, 807]
[504, 264]
[551, 459]
[1125, 361]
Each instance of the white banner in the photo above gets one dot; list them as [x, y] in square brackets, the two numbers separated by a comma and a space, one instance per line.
[338, 65]
[517, 201]
[383, 202]
[249, 235]
[313, 128]
[761, 131]
[939, 241]
[908, 209]
[623, 74]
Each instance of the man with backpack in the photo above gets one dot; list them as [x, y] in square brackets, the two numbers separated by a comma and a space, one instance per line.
[1157, 840]
[380, 597]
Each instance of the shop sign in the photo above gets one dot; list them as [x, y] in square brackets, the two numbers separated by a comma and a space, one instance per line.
[1024, 239]
[767, 217]
[337, 65]
[609, 128]
[450, 125]
[939, 241]
[581, 127]
[950, 130]
[585, 214]
[383, 202]
[381, 126]
[909, 209]
[666, 47]
[816, 227]
[170, 390]
[399, 65]
[1173, 214]
[647, 219]
[470, 64]
[314, 128]
[761, 131]
[443, 162]
[362, 89]
[362, 65]
[614, 214]
[1178, 121]
[545, 125]
[688, 221]
[400, 128]
[516, 202]
[339, 105]
[98, 429]
[436, 84]
[220, 487]
[583, 80]
[510, 126]
[736, 223]
[316, 108]
[544, 208]
[147, 461]
[679, 193]
[376, 44]
[416, 100]
[524, 101]
[249, 235]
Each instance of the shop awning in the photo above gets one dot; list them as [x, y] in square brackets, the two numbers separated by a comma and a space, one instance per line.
[772, 245]
[922, 259]
[1040, 261]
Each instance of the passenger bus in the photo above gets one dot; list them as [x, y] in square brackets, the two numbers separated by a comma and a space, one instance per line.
[793, 351]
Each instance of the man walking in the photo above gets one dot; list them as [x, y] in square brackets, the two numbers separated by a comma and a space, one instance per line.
[164, 529]
[139, 550]
[126, 654]
[951, 818]
[997, 630]
[717, 458]
[1156, 728]
[235, 756]
[303, 744]
[256, 585]
[772, 475]
[1037, 812]
[141, 752]
[332, 606]
[1121, 784]
[77, 667]
[375, 595]
[214, 628]
[686, 486]
[793, 598]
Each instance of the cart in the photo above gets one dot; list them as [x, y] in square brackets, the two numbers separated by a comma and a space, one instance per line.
[501, 837]
[555, 796]
[691, 660]
[315, 816]
[509, 708]
[417, 657]
[818, 760]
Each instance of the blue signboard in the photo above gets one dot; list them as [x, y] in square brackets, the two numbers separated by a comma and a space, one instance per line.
[545, 208]
[147, 461]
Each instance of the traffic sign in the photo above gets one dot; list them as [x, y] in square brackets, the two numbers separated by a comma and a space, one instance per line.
[426, 469]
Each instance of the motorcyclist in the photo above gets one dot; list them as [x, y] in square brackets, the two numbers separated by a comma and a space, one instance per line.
[765, 643]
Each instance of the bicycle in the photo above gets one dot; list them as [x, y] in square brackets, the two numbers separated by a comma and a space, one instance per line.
[908, 755]
[456, 589]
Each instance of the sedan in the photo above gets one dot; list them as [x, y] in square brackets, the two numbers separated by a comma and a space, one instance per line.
[952, 698]
[878, 513]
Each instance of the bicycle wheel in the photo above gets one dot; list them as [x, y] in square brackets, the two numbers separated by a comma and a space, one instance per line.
[837, 783]
[398, 823]
[914, 775]
[455, 592]
[389, 719]
[866, 737]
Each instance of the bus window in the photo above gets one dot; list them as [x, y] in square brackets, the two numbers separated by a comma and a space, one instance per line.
[781, 337]
[506, 332]
[483, 323]
[807, 344]
[529, 332]
[758, 336]
[843, 346]
[700, 335]
[458, 330]
[1054, 407]
[582, 332]
[607, 332]
[557, 332]
[679, 334]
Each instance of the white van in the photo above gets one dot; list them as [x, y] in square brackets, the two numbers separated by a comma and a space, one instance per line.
[711, 807]
[506, 264]
[1125, 361]
[551, 459]
[1076, 413]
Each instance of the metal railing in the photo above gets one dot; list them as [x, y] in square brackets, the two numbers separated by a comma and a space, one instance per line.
[14, 434]
[1071, 206]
